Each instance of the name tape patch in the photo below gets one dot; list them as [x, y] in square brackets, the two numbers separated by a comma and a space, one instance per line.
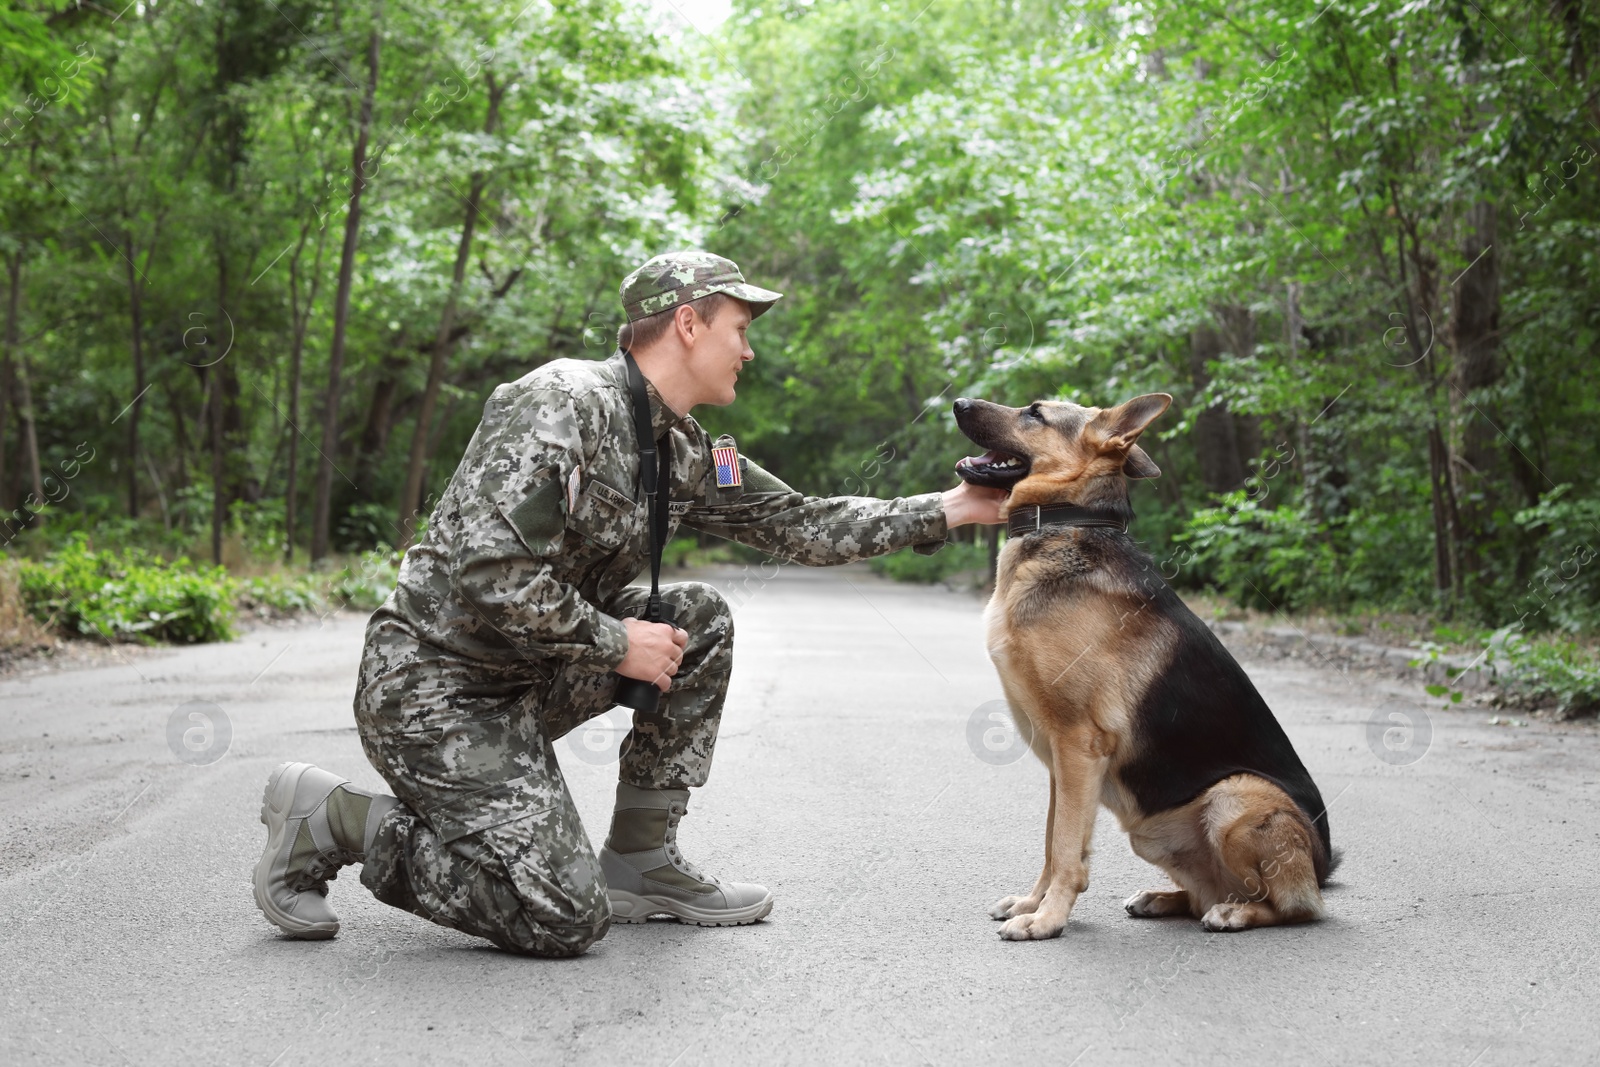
[609, 495]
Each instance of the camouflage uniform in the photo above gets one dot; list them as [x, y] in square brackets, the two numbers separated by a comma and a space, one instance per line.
[503, 633]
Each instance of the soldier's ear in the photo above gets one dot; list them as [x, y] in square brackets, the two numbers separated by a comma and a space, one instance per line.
[684, 319]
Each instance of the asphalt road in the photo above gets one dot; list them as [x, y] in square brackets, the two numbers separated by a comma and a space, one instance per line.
[1462, 929]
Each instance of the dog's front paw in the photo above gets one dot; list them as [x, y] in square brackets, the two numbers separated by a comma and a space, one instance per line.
[1012, 906]
[1033, 927]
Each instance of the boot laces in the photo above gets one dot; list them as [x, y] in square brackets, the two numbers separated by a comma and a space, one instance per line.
[676, 811]
[322, 869]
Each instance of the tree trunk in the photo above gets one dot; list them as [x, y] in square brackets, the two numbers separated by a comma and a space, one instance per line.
[341, 307]
[411, 495]
[30, 432]
[290, 476]
[1476, 465]
[300, 318]
[22, 397]
[7, 377]
[1238, 327]
[1214, 438]
[380, 416]
[1444, 519]
[180, 434]
[136, 328]
[219, 507]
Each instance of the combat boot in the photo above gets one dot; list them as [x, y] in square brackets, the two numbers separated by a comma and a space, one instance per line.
[316, 823]
[646, 874]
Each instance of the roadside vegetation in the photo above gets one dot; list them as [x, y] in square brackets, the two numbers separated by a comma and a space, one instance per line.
[261, 266]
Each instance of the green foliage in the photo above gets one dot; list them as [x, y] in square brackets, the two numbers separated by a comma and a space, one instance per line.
[1058, 198]
[1553, 672]
[1546, 672]
[259, 527]
[364, 583]
[1564, 592]
[366, 526]
[1273, 559]
[128, 595]
[1284, 559]
[284, 594]
[956, 558]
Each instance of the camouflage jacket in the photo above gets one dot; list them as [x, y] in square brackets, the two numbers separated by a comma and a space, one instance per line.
[545, 519]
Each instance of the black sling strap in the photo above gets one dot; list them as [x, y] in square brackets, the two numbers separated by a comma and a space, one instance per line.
[655, 471]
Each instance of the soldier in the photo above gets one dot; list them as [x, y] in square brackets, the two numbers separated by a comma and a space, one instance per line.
[513, 618]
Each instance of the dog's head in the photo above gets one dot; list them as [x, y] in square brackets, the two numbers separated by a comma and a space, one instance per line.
[1053, 451]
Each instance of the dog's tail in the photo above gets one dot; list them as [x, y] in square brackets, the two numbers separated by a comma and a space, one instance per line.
[1335, 857]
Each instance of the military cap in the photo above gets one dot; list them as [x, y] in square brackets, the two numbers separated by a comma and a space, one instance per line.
[678, 277]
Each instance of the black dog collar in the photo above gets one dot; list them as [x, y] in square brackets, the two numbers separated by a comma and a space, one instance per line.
[1031, 518]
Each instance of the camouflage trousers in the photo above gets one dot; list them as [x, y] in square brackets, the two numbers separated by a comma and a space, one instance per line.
[487, 840]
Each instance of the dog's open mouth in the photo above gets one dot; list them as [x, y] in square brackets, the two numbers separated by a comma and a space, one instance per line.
[996, 469]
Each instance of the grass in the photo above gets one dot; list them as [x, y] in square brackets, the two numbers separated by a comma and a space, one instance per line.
[135, 594]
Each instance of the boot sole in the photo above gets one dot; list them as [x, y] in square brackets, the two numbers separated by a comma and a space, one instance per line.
[629, 907]
[276, 800]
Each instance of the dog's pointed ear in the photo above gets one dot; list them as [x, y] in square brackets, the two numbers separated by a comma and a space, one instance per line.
[1139, 464]
[1121, 426]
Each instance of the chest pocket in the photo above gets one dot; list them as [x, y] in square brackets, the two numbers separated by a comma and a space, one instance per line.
[604, 516]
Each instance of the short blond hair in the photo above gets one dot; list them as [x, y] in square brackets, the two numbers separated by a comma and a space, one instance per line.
[650, 329]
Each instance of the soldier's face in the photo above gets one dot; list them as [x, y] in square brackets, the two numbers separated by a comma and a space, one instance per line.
[720, 353]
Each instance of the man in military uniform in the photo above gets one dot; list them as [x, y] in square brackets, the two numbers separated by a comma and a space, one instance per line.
[513, 619]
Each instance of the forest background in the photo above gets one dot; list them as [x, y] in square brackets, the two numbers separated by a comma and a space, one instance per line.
[263, 262]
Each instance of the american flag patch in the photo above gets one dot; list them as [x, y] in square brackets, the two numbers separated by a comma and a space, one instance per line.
[727, 461]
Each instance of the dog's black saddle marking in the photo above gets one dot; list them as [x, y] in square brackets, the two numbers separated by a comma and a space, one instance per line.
[1202, 720]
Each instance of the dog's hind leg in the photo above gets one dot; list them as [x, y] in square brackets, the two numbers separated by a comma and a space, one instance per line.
[1012, 906]
[1079, 758]
[1264, 843]
[1157, 903]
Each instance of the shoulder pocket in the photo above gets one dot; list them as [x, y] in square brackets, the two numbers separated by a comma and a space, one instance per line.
[757, 480]
[537, 518]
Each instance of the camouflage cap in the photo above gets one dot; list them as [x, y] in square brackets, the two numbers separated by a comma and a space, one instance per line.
[679, 277]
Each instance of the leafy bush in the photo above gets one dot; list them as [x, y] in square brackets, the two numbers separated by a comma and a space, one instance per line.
[1284, 559]
[259, 526]
[908, 566]
[1545, 672]
[1270, 558]
[1529, 672]
[128, 595]
[282, 593]
[366, 527]
[367, 583]
[1565, 591]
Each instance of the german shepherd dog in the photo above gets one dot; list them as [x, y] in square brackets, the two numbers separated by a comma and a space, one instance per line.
[1132, 701]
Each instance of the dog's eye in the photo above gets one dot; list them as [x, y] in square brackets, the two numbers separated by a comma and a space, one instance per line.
[1034, 412]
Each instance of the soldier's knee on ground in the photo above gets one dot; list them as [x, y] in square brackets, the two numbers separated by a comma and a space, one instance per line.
[528, 937]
